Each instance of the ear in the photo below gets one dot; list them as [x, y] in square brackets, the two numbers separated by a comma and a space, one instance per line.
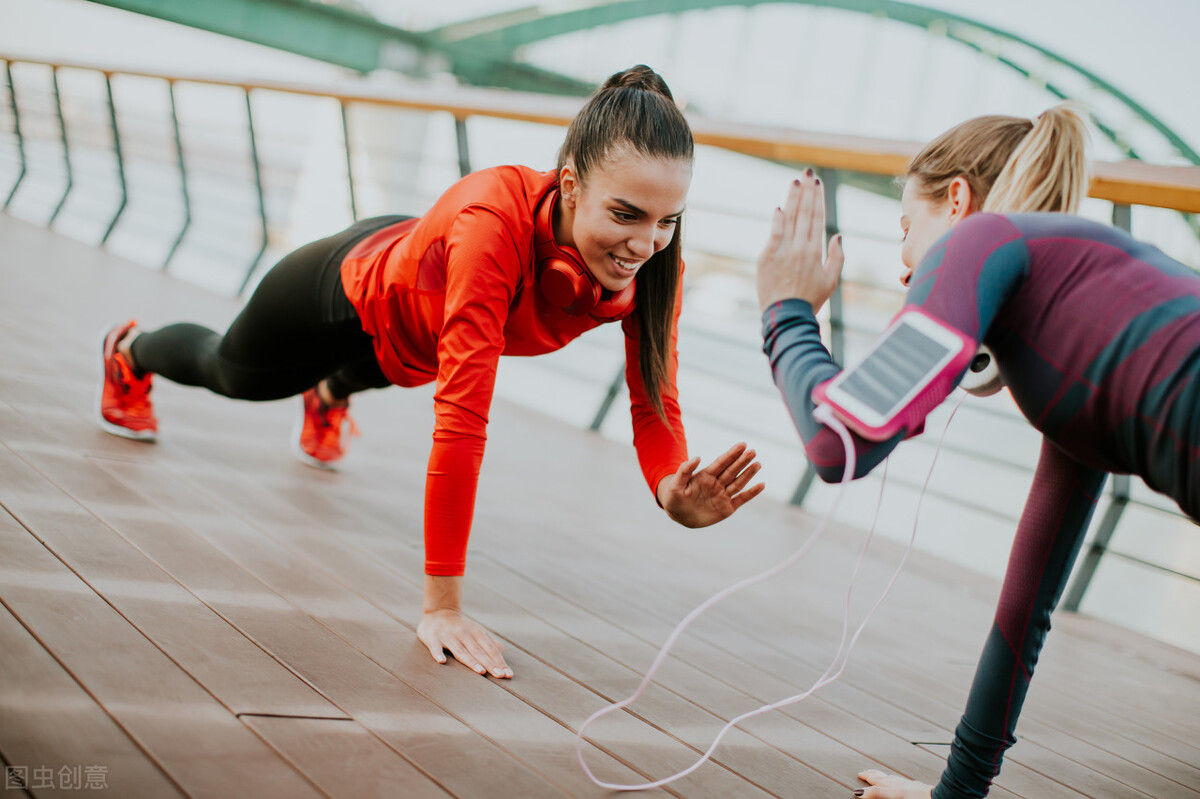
[568, 183]
[960, 200]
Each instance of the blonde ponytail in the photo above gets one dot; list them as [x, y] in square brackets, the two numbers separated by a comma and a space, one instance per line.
[1013, 165]
[1048, 170]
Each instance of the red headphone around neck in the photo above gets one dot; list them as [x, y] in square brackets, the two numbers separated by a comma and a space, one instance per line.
[564, 278]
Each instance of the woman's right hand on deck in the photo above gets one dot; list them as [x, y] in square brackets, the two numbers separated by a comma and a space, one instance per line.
[793, 265]
[468, 641]
[443, 627]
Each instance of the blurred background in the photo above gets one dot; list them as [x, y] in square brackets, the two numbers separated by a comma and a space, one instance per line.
[157, 129]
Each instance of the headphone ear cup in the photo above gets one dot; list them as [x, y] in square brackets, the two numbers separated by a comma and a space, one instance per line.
[617, 306]
[564, 286]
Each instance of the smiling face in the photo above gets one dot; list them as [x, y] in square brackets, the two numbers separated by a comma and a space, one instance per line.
[625, 211]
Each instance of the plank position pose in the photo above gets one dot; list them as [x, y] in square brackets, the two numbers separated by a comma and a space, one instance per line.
[508, 261]
[1096, 335]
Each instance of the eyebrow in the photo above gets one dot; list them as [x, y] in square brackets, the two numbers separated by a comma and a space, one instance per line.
[630, 206]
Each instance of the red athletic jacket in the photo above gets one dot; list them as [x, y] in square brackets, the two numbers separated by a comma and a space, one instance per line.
[444, 297]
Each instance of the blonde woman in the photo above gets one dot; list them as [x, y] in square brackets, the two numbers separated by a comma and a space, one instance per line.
[1096, 335]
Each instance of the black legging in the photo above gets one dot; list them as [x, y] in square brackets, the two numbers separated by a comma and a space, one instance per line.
[297, 329]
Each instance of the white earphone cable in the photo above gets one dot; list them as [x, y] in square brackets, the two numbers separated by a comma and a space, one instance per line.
[823, 414]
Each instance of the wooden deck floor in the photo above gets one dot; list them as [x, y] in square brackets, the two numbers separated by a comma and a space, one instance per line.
[206, 617]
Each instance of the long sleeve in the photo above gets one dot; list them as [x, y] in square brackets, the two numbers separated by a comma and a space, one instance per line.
[799, 363]
[482, 273]
[1049, 536]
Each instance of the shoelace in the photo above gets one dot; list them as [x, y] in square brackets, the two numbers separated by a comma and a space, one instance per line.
[135, 391]
[331, 418]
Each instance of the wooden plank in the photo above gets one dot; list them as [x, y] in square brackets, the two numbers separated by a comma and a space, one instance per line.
[954, 716]
[542, 739]
[48, 721]
[357, 576]
[343, 758]
[357, 685]
[1006, 772]
[605, 600]
[146, 693]
[236, 672]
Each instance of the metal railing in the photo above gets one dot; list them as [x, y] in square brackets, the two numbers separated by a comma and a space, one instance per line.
[836, 157]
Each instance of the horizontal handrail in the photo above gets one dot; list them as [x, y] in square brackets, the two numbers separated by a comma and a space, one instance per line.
[1121, 182]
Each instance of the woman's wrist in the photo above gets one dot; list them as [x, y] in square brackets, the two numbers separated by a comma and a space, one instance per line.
[442, 592]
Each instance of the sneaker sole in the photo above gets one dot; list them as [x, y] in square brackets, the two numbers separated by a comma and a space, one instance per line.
[298, 452]
[147, 436]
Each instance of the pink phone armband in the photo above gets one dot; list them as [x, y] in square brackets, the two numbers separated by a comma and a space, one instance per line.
[908, 371]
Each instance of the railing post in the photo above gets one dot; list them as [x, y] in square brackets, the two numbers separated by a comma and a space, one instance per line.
[112, 116]
[1091, 559]
[12, 96]
[837, 321]
[464, 152]
[183, 178]
[62, 129]
[1122, 217]
[262, 203]
[614, 387]
[837, 324]
[349, 163]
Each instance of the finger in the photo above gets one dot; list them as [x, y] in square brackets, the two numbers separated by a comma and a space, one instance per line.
[735, 469]
[469, 654]
[744, 478]
[776, 235]
[790, 210]
[800, 234]
[816, 229]
[836, 259]
[881, 779]
[750, 493]
[490, 657]
[435, 648]
[461, 649]
[726, 459]
[686, 470]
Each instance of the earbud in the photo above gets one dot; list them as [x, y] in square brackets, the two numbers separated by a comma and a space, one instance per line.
[563, 277]
[983, 377]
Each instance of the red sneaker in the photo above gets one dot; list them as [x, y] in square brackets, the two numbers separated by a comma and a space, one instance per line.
[125, 408]
[320, 442]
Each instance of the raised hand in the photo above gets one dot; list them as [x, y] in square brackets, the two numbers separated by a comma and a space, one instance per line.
[700, 498]
[792, 263]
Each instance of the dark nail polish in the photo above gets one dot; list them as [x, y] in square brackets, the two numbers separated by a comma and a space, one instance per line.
[796, 182]
[859, 792]
[808, 172]
[818, 181]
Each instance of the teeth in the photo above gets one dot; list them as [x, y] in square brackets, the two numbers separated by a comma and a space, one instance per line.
[626, 265]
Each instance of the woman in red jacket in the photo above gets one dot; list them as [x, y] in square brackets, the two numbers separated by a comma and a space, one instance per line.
[508, 261]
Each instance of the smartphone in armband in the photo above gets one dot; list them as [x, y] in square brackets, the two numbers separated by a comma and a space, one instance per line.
[907, 372]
